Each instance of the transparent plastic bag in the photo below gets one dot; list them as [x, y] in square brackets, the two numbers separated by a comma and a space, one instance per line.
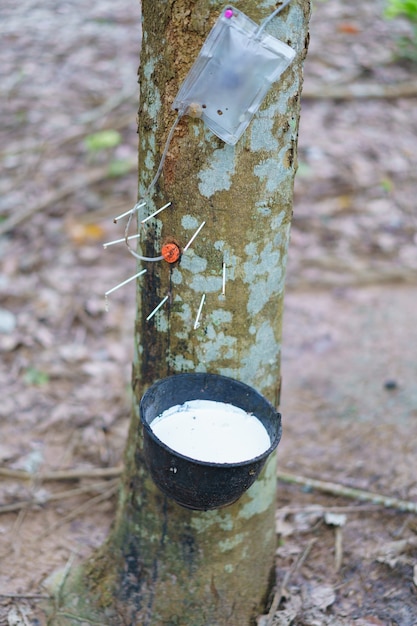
[232, 74]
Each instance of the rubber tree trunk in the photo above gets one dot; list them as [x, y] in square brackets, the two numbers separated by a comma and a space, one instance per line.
[163, 564]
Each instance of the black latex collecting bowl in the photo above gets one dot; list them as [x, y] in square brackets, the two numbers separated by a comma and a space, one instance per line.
[194, 484]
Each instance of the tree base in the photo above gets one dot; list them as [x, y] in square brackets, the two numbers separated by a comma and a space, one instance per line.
[163, 564]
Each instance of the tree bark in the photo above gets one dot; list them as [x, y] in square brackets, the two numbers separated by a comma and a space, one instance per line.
[163, 564]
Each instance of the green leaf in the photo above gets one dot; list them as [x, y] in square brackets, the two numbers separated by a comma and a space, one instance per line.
[404, 8]
[103, 140]
[120, 167]
[304, 170]
[387, 185]
[33, 376]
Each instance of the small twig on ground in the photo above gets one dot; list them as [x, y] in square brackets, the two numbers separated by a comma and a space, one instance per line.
[15, 547]
[65, 575]
[281, 592]
[405, 506]
[69, 493]
[118, 123]
[327, 487]
[355, 90]
[126, 94]
[82, 620]
[58, 597]
[114, 485]
[23, 615]
[359, 277]
[82, 509]
[317, 508]
[58, 475]
[24, 596]
[57, 142]
[74, 184]
[338, 548]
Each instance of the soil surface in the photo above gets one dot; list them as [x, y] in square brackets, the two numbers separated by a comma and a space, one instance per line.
[349, 398]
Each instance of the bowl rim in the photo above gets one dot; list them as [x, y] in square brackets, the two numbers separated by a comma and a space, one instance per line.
[260, 457]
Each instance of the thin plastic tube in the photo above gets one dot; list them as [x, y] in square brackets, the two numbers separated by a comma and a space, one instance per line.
[165, 152]
[132, 252]
[144, 258]
[149, 189]
[271, 17]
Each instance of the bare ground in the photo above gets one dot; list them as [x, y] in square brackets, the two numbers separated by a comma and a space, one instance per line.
[349, 396]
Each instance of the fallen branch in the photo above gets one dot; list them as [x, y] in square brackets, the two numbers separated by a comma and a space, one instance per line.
[360, 91]
[338, 548]
[335, 489]
[58, 475]
[327, 487]
[25, 596]
[318, 508]
[57, 142]
[65, 574]
[282, 591]
[74, 184]
[53, 497]
[347, 277]
[75, 618]
[84, 508]
[125, 95]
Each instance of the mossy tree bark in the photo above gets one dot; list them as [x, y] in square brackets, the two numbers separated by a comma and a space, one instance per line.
[163, 564]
